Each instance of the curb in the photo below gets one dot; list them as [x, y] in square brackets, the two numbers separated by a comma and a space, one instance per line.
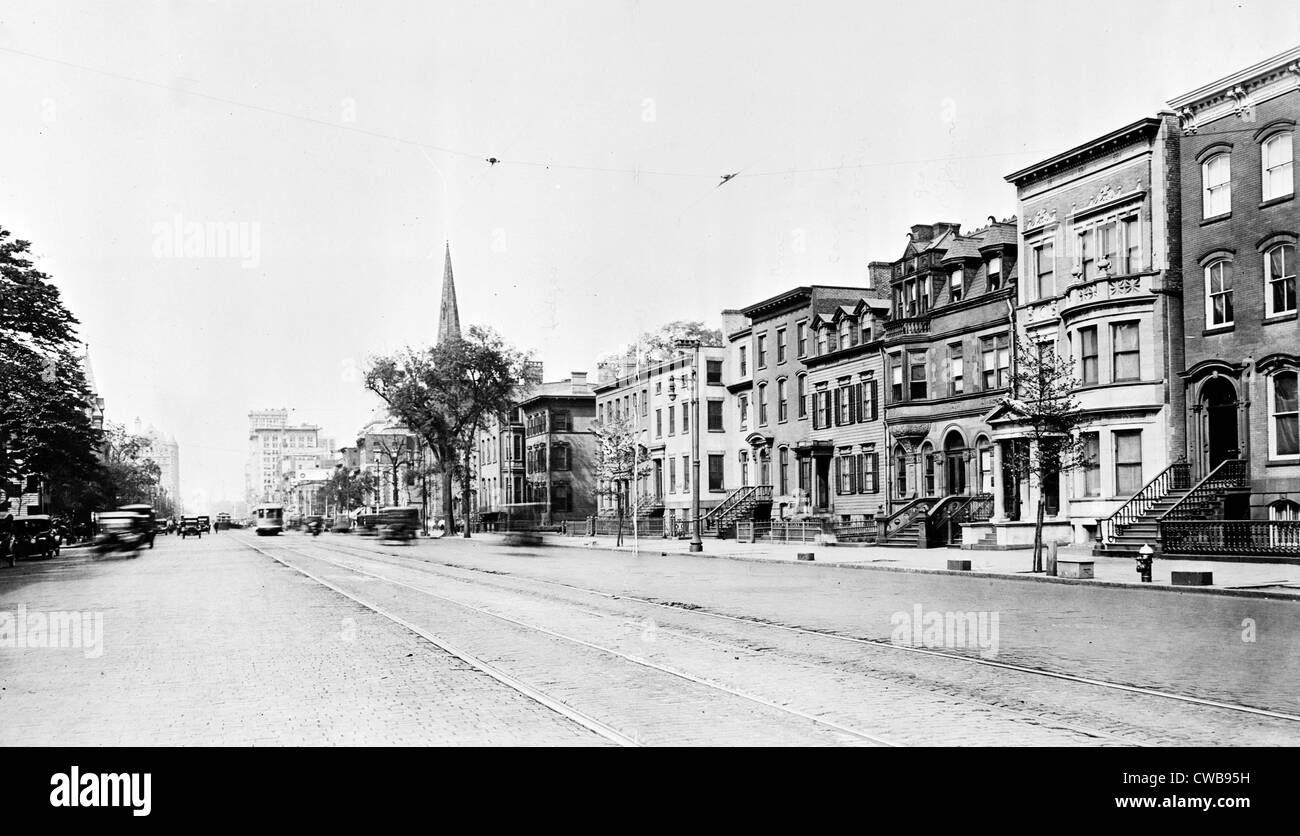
[1152, 587]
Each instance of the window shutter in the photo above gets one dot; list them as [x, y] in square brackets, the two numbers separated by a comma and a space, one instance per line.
[839, 482]
[836, 402]
[875, 470]
[853, 474]
[853, 394]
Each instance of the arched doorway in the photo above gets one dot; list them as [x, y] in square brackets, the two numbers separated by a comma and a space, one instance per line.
[927, 469]
[954, 463]
[1219, 397]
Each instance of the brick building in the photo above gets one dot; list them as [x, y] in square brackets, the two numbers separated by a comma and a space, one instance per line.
[947, 346]
[1239, 236]
[559, 449]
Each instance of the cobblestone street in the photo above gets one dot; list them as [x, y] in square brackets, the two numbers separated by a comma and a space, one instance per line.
[340, 640]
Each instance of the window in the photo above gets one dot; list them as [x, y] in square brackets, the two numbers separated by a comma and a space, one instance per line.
[846, 334]
[844, 473]
[686, 418]
[1045, 270]
[715, 472]
[645, 402]
[782, 406]
[780, 345]
[783, 469]
[923, 295]
[1088, 354]
[994, 273]
[672, 475]
[844, 408]
[955, 370]
[713, 372]
[955, 285]
[1128, 462]
[1091, 464]
[715, 416]
[686, 473]
[1284, 420]
[822, 407]
[867, 404]
[672, 420]
[743, 405]
[997, 361]
[762, 404]
[560, 458]
[1108, 246]
[927, 458]
[1131, 227]
[561, 498]
[659, 387]
[1216, 186]
[871, 472]
[1218, 293]
[744, 361]
[1125, 351]
[801, 339]
[916, 375]
[1279, 280]
[822, 339]
[801, 387]
[896, 378]
[1087, 256]
[900, 471]
[659, 423]
[1277, 160]
[761, 359]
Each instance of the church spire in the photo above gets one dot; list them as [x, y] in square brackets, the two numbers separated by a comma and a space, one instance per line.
[448, 314]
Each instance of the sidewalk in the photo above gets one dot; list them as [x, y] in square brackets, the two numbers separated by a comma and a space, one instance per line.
[1265, 579]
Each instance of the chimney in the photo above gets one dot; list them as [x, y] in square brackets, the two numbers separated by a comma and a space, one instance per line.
[733, 321]
[878, 275]
[578, 381]
[922, 233]
[941, 227]
[533, 371]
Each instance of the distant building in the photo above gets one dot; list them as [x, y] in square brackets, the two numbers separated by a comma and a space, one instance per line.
[559, 448]
[275, 449]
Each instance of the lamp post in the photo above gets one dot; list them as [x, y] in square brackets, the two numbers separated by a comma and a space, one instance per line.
[697, 545]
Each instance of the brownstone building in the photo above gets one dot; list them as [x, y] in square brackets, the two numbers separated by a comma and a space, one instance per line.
[1239, 235]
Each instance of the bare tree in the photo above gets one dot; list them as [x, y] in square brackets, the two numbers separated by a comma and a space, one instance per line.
[1044, 404]
[620, 458]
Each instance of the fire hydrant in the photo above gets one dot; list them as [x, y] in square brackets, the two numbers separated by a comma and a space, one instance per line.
[1144, 559]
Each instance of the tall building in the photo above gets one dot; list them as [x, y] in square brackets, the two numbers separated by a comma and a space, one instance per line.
[277, 452]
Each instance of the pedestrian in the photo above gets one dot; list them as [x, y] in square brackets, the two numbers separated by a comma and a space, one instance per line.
[6, 533]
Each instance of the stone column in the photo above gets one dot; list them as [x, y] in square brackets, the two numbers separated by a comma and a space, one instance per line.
[999, 497]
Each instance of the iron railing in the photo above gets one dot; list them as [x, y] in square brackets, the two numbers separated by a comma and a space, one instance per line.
[776, 531]
[1232, 474]
[905, 516]
[952, 511]
[856, 532]
[740, 501]
[1262, 538]
[1178, 476]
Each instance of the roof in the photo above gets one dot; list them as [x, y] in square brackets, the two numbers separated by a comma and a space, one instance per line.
[1145, 126]
[962, 248]
[834, 294]
[1238, 77]
[999, 234]
[558, 389]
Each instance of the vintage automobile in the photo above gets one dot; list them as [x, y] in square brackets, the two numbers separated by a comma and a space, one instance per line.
[160, 527]
[147, 512]
[35, 535]
[341, 524]
[205, 523]
[190, 528]
[121, 531]
[314, 524]
[399, 523]
[368, 525]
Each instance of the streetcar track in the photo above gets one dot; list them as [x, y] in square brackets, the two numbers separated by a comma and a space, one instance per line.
[1033, 719]
[878, 644]
[645, 663]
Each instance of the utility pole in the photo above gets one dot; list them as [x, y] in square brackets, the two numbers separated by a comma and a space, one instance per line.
[697, 544]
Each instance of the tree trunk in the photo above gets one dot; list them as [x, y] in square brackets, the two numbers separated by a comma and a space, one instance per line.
[446, 497]
[465, 488]
[1038, 535]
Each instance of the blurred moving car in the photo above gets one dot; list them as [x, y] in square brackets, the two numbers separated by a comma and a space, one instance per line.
[122, 531]
[367, 524]
[34, 535]
[147, 512]
[205, 523]
[314, 524]
[341, 524]
[398, 523]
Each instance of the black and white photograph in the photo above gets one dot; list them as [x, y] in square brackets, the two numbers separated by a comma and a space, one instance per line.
[615, 373]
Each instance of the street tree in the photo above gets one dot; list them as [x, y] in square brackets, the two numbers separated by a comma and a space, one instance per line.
[347, 488]
[620, 458]
[45, 426]
[1044, 406]
[446, 394]
[659, 345]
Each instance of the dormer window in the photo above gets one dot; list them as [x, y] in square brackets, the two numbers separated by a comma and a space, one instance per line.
[846, 328]
[956, 285]
[995, 272]
[821, 340]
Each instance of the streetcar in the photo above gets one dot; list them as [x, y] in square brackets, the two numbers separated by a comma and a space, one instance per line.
[268, 519]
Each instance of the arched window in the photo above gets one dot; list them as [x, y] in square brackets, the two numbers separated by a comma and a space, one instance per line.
[782, 410]
[1277, 158]
[762, 404]
[1216, 186]
[784, 473]
[1284, 416]
[802, 393]
[1218, 293]
[846, 331]
[1279, 280]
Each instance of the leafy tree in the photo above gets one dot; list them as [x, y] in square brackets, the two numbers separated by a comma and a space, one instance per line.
[445, 394]
[619, 454]
[347, 488]
[45, 426]
[659, 345]
[1045, 407]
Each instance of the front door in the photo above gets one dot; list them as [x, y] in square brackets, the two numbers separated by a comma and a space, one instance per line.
[1220, 399]
[954, 473]
[659, 478]
[822, 491]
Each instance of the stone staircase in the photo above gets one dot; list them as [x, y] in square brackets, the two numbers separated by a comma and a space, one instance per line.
[747, 503]
[1145, 530]
[1137, 522]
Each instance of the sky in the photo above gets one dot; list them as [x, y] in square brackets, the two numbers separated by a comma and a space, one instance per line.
[344, 143]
